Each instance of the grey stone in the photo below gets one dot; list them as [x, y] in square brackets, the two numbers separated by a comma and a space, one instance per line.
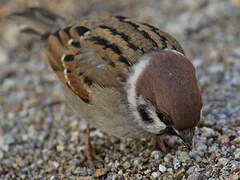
[156, 175]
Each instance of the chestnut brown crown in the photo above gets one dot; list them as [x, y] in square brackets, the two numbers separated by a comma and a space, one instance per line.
[170, 83]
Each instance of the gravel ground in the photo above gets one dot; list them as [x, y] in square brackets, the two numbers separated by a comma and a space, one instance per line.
[40, 138]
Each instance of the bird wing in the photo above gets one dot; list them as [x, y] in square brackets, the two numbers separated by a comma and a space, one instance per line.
[100, 52]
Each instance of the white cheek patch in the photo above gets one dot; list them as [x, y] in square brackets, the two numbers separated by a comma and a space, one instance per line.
[138, 69]
[156, 126]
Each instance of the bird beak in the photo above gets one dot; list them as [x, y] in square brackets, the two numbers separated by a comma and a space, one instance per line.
[186, 136]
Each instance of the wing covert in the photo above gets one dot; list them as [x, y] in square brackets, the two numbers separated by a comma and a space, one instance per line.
[101, 52]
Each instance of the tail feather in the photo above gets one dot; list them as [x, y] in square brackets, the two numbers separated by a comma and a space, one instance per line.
[39, 21]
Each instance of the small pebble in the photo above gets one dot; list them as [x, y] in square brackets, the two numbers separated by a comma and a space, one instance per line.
[194, 176]
[126, 165]
[234, 177]
[207, 132]
[236, 52]
[156, 175]
[223, 161]
[237, 154]
[162, 168]
[80, 171]
[101, 172]
[176, 163]
[60, 148]
[147, 171]
[200, 146]
[183, 156]
[168, 158]
[235, 169]
[55, 164]
[120, 172]
[157, 155]
[137, 161]
[237, 140]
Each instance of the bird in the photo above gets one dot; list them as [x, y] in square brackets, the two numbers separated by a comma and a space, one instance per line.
[124, 77]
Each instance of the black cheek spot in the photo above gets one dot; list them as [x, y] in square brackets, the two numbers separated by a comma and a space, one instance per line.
[142, 110]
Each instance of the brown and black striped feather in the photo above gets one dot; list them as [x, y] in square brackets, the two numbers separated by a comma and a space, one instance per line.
[101, 52]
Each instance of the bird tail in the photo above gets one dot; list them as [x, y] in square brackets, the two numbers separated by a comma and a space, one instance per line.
[38, 21]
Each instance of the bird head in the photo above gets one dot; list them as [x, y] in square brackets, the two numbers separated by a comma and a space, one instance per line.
[165, 96]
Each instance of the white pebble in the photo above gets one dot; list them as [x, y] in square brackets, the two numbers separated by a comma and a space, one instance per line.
[120, 172]
[176, 163]
[60, 148]
[162, 168]
[207, 132]
[52, 177]
[147, 171]
[55, 164]
[237, 154]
